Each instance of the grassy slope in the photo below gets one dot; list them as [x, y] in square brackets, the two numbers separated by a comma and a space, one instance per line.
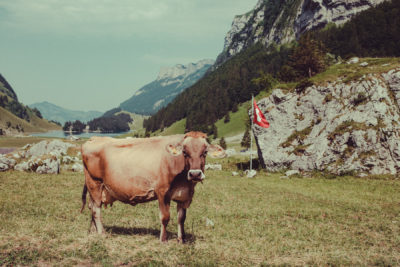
[137, 123]
[35, 125]
[342, 221]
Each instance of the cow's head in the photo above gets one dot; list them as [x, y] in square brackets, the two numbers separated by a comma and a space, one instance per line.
[194, 148]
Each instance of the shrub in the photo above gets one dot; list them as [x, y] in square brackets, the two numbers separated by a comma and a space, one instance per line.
[222, 143]
[302, 85]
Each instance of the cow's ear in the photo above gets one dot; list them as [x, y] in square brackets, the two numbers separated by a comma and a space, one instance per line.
[175, 149]
[216, 151]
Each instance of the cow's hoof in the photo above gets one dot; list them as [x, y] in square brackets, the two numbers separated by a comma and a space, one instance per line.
[181, 240]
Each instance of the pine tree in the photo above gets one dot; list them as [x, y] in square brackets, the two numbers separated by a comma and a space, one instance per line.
[227, 118]
[246, 139]
[222, 143]
[308, 58]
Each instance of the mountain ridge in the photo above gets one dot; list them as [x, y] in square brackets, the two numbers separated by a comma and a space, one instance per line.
[57, 113]
[170, 82]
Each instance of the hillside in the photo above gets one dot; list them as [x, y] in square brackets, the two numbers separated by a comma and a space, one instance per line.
[53, 112]
[16, 118]
[344, 72]
[11, 124]
[169, 83]
[234, 81]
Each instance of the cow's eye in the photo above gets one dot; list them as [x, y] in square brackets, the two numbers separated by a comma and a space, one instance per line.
[204, 154]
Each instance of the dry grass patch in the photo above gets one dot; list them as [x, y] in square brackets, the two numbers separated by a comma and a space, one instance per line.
[261, 221]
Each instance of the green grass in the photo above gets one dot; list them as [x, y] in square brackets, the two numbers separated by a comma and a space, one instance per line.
[176, 128]
[261, 221]
[350, 72]
[20, 141]
[236, 125]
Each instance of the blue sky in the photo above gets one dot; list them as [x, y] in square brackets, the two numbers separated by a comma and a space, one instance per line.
[94, 54]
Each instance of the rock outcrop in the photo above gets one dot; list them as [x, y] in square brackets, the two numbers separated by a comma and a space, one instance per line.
[282, 21]
[44, 157]
[340, 128]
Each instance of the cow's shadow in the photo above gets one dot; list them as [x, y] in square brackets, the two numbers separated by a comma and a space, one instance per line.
[118, 230]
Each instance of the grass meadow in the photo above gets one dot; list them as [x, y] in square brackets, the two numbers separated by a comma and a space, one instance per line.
[267, 220]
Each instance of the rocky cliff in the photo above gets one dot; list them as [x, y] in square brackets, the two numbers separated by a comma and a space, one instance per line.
[340, 127]
[280, 22]
[169, 83]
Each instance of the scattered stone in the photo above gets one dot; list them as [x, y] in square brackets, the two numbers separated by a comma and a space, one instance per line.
[209, 222]
[230, 152]
[67, 160]
[250, 173]
[77, 167]
[235, 173]
[214, 167]
[291, 172]
[6, 163]
[43, 157]
[72, 138]
[49, 166]
[353, 60]
[23, 166]
[364, 64]
[56, 147]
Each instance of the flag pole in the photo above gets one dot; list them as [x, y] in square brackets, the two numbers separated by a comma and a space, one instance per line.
[251, 134]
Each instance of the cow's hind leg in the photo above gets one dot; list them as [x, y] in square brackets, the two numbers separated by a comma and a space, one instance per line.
[95, 225]
[94, 187]
[181, 222]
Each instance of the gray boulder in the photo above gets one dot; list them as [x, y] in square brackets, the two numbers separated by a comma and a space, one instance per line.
[77, 167]
[340, 127]
[49, 166]
[6, 163]
[54, 147]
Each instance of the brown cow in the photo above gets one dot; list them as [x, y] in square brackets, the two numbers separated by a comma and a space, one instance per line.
[143, 169]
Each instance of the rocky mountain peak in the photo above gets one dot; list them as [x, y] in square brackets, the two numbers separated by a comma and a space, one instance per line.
[182, 70]
[283, 21]
[171, 81]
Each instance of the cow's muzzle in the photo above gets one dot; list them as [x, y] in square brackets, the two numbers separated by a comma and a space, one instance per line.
[196, 175]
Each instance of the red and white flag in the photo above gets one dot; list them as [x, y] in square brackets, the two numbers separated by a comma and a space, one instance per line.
[259, 117]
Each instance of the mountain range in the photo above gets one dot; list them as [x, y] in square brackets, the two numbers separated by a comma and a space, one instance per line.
[56, 113]
[171, 81]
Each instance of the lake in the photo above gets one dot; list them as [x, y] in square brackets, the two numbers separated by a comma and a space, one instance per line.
[62, 134]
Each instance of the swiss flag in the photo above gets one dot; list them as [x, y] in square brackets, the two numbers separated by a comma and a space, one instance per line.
[259, 117]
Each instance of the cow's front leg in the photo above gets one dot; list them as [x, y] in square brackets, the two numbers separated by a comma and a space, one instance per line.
[181, 222]
[164, 205]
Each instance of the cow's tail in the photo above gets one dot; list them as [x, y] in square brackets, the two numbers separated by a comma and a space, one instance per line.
[84, 193]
